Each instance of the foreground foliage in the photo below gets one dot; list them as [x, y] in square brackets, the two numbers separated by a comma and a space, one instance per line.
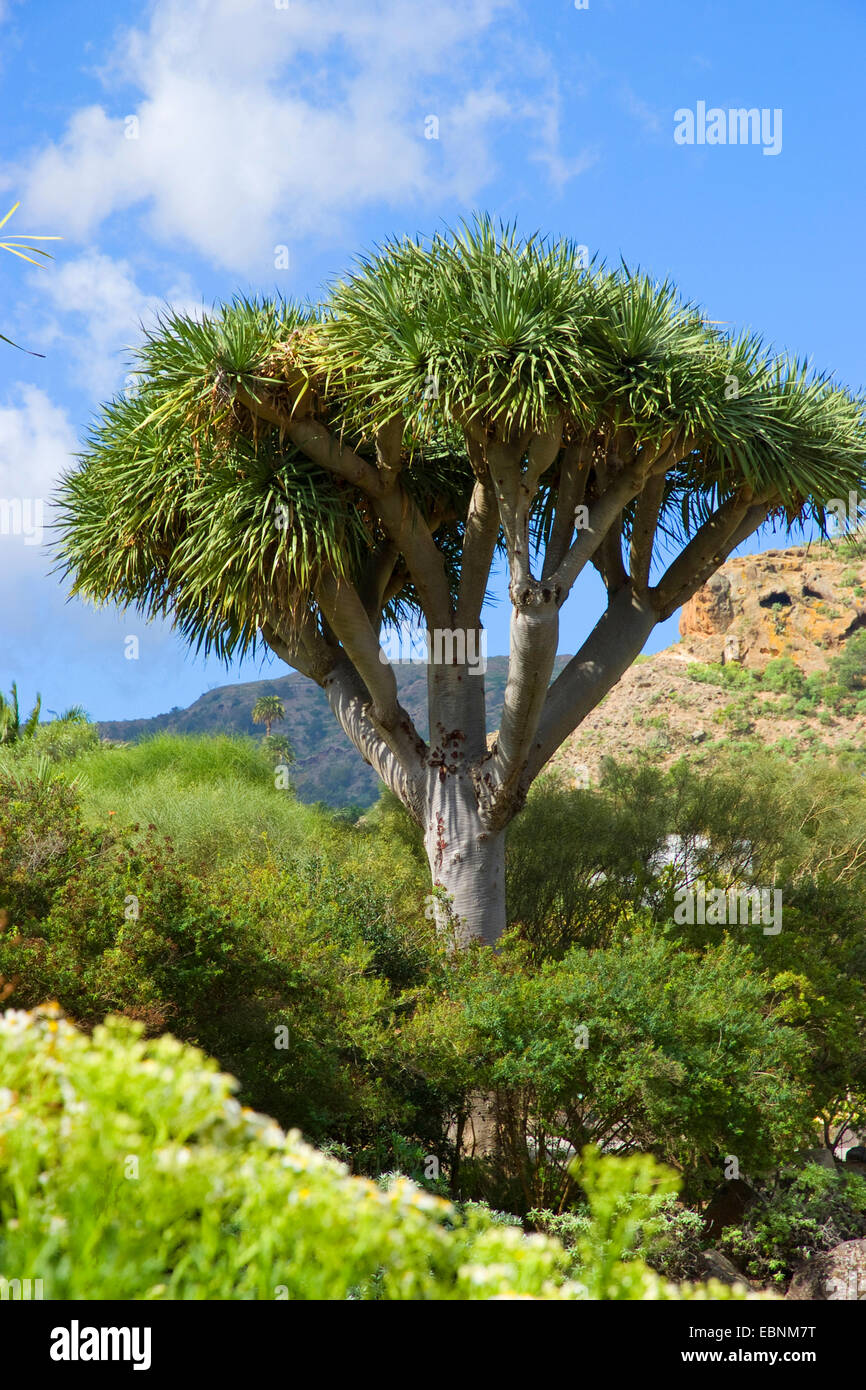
[297, 949]
[129, 1171]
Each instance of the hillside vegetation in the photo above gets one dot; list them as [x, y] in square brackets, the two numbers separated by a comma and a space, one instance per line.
[172, 883]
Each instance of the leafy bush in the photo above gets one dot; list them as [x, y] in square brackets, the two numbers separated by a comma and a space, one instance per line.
[60, 741]
[643, 1046]
[729, 673]
[848, 669]
[737, 717]
[674, 1244]
[131, 1172]
[580, 864]
[584, 868]
[800, 1213]
[284, 973]
[781, 674]
[667, 1236]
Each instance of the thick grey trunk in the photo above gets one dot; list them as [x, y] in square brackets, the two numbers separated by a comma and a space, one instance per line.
[466, 860]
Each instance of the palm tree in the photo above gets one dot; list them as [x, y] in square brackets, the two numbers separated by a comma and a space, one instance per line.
[11, 728]
[75, 714]
[268, 710]
[17, 246]
[308, 477]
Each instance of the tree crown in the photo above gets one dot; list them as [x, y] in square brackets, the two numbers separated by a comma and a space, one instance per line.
[193, 498]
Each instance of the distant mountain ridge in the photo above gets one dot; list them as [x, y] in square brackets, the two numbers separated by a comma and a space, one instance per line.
[328, 767]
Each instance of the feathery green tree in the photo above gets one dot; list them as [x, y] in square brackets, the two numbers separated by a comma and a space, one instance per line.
[314, 476]
[268, 710]
[12, 727]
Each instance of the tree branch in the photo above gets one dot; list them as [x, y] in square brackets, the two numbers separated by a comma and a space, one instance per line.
[389, 450]
[408, 530]
[710, 546]
[503, 460]
[602, 516]
[617, 638]
[479, 546]
[643, 531]
[374, 583]
[532, 653]
[345, 614]
[609, 558]
[573, 475]
[316, 441]
[349, 701]
[304, 648]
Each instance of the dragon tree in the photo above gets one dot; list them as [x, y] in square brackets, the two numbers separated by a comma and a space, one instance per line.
[311, 477]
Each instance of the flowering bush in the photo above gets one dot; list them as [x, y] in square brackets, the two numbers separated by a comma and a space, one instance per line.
[129, 1171]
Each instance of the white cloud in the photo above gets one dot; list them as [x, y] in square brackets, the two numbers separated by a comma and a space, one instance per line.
[257, 125]
[37, 442]
[647, 115]
[95, 312]
[560, 168]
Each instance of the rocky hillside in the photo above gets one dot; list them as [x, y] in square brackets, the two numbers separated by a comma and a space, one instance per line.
[800, 603]
[786, 613]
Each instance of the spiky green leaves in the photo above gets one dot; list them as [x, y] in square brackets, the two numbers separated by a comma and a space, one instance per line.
[216, 529]
[191, 499]
[18, 245]
[481, 329]
[476, 329]
[12, 727]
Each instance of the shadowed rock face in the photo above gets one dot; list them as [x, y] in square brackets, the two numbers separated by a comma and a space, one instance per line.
[711, 611]
[781, 603]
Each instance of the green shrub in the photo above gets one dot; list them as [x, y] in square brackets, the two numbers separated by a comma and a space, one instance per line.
[736, 716]
[130, 1172]
[729, 673]
[798, 1214]
[848, 669]
[63, 739]
[837, 697]
[111, 919]
[783, 675]
[668, 1237]
[644, 1045]
[673, 1246]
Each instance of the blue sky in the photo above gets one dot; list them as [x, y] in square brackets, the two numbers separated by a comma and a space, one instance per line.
[264, 123]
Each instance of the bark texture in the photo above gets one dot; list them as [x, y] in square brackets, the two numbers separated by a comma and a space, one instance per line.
[467, 861]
